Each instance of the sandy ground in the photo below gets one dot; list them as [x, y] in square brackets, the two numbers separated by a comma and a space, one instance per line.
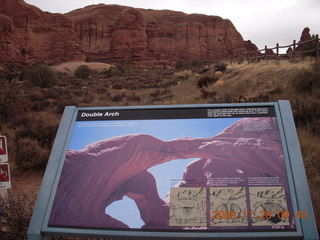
[70, 67]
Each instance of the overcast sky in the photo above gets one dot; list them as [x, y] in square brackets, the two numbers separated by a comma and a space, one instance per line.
[264, 22]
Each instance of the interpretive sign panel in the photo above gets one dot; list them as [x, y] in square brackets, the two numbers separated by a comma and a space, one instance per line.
[155, 171]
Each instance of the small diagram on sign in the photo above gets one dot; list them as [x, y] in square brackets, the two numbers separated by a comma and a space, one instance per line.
[227, 206]
[187, 206]
[268, 205]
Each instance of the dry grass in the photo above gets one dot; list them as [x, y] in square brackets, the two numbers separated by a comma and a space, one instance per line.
[32, 113]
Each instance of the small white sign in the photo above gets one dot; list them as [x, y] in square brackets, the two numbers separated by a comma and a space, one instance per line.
[3, 149]
[5, 182]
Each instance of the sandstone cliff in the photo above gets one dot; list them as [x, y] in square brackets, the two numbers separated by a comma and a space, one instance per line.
[114, 34]
[29, 35]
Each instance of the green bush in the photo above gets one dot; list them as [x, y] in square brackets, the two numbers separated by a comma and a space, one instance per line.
[39, 76]
[83, 71]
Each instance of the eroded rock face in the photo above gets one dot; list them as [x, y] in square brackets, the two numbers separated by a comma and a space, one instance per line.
[112, 32]
[129, 38]
[28, 35]
[305, 35]
[108, 170]
[115, 34]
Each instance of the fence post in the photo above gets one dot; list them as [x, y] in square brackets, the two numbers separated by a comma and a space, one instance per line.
[294, 50]
[265, 51]
[277, 50]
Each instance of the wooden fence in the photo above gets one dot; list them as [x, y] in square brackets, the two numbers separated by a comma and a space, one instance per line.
[294, 51]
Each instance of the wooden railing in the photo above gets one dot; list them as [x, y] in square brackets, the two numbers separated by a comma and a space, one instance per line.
[297, 50]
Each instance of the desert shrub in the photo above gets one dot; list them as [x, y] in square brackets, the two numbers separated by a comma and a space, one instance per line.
[41, 129]
[180, 63]
[2, 73]
[28, 154]
[183, 75]
[125, 69]
[205, 69]
[207, 94]
[83, 71]
[205, 80]
[167, 84]
[159, 95]
[118, 97]
[121, 69]
[305, 80]
[10, 71]
[113, 71]
[310, 150]
[155, 94]
[15, 215]
[117, 86]
[133, 98]
[221, 66]
[310, 46]
[39, 76]
[6, 99]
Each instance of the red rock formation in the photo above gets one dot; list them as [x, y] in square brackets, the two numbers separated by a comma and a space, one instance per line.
[29, 35]
[113, 32]
[108, 170]
[305, 36]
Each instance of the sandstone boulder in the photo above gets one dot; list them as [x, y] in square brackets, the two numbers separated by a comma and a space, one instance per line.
[305, 36]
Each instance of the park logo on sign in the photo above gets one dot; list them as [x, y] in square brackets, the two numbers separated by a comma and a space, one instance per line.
[3, 149]
[4, 176]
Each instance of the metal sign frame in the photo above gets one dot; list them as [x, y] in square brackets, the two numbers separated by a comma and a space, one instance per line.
[299, 190]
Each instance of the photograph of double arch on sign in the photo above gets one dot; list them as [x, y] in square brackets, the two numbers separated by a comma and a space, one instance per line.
[197, 169]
